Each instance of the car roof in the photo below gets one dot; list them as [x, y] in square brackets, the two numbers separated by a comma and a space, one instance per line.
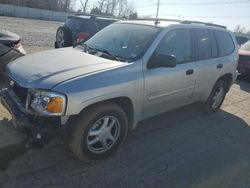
[162, 23]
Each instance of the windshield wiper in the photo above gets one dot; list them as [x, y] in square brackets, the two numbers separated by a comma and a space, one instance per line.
[85, 47]
[88, 49]
[115, 57]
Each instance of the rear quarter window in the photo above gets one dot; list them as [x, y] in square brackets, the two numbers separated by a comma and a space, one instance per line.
[225, 43]
[74, 23]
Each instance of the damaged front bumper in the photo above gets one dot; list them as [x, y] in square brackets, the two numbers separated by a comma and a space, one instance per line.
[23, 118]
[20, 117]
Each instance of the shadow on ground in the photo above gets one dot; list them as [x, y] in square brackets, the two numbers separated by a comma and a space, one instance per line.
[11, 143]
[244, 82]
[182, 148]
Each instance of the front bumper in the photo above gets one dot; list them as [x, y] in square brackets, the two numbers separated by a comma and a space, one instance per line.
[23, 118]
[20, 116]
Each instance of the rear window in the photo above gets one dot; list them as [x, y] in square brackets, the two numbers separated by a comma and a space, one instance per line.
[225, 43]
[101, 23]
[74, 23]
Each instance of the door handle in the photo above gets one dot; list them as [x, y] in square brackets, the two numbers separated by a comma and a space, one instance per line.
[190, 71]
[219, 66]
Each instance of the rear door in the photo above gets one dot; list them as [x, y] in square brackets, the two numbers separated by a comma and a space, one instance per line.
[211, 59]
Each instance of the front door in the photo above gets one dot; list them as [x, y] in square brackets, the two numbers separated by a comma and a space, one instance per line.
[170, 87]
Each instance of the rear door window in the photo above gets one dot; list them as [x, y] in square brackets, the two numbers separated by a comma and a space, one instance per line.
[225, 43]
[204, 44]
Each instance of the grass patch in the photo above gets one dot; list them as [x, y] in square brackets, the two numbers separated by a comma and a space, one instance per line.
[10, 153]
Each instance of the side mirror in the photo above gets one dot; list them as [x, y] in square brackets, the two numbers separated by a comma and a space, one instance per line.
[162, 60]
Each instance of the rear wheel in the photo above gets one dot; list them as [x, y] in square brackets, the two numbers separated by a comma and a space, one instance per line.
[216, 97]
[98, 131]
[63, 37]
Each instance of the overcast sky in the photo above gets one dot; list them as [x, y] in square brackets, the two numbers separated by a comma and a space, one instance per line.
[225, 12]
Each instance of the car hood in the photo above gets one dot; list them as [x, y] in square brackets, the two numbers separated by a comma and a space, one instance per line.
[49, 68]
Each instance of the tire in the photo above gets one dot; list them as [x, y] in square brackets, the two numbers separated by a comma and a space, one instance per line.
[92, 121]
[219, 90]
[63, 37]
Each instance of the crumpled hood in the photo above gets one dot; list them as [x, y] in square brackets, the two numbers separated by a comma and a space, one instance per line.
[46, 69]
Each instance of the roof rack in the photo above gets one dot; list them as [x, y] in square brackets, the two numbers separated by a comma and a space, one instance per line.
[204, 23]
[157, 20]
[94, 15]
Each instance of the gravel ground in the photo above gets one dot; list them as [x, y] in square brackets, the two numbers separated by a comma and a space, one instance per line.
[182, 148]
[36, 35]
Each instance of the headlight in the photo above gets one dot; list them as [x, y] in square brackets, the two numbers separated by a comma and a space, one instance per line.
[48, 103]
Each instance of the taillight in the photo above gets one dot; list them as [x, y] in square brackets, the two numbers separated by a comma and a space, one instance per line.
[82, 37]
[20, 48]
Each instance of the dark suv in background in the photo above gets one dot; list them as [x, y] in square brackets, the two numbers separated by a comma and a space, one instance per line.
[80, 28]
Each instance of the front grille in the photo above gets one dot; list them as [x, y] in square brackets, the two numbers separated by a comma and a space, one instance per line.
[244, 58]
[20, 92]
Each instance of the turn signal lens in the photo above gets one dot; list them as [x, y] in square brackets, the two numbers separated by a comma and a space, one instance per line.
[55, 105]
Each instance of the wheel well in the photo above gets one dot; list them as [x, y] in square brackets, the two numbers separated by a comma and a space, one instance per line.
[228, 78]
[125, 103]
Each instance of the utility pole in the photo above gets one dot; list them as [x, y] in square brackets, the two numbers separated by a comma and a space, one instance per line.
[158, 4]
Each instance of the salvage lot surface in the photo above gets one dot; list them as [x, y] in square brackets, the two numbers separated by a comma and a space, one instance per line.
[182, 148]
[36, 35]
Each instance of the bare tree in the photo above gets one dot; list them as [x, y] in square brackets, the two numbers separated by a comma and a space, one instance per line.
[122, 8]
[61, 5]
[114, 5]
[84, 5]
[119, 8]
[107, 6]
[101, 5]
[130, 9]
[239, 29]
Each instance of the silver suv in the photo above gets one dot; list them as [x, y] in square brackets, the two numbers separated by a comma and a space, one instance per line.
[94, 94]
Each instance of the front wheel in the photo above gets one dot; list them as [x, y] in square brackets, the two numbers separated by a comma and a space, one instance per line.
[98, 131]
[216, 97]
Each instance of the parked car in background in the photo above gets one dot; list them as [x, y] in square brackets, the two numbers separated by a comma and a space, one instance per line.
[79, 29]
[10, 48]
[94, 94]
[244, 59]
[241, 40]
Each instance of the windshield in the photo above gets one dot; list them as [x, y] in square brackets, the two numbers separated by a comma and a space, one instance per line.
[246, 46]
[127, 41]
